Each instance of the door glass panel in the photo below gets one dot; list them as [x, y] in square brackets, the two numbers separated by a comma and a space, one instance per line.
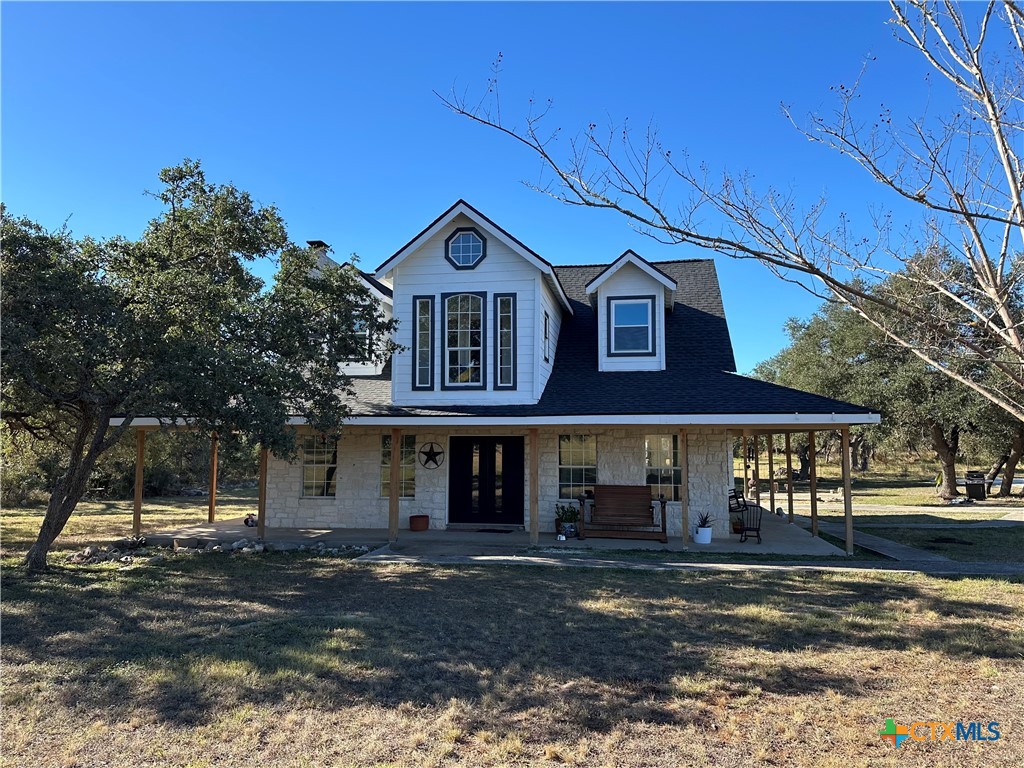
[497, 479]
[475, 487]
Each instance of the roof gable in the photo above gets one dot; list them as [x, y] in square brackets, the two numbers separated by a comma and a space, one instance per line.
[631, 257]
[461, 207]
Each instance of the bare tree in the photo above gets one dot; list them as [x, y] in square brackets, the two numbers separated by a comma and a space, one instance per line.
[964, 169]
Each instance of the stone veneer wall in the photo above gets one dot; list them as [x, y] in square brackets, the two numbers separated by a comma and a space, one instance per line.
[620, 456]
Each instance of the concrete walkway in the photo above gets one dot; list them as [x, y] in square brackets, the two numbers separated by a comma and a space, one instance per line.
[447, 548]
[778, 538]
[386, 555]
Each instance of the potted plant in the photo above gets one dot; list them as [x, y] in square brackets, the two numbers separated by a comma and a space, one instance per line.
[702, 533]
[736, 519]
[565, 514]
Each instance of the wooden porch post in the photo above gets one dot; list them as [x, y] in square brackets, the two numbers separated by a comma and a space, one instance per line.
[746, 469]
[757, 469]
[789, 477]
[684, 481]
[771, 472]
[847, 492]
[261, 508]
[140, 459]
[396, 455]
[213, 478]
[812, 454]
[534, 489]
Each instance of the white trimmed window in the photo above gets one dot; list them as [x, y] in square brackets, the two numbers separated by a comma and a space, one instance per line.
[423, 343]
[465, 248]
[631, 326]
[664, 474]
[577, 465]
[505, 341]
[547, 338]
[319, 466]
[406, 467]
[464, 340]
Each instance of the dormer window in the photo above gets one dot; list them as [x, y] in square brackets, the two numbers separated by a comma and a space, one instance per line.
[465, 248]
[631, 326]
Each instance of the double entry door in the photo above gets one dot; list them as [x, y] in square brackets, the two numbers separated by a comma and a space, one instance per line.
[485, 480]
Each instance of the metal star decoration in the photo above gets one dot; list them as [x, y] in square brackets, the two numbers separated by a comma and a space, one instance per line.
[431, 455]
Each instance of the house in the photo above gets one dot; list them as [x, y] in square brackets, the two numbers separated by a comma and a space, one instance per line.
[521, 383]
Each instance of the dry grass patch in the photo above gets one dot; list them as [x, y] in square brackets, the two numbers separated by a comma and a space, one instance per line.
[294, 661]
[103, 521]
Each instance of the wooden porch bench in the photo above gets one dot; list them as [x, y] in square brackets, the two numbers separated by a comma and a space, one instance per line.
[622, 512]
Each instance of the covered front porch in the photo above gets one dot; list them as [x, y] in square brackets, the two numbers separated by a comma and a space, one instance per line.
[780, 539]
[698, 491]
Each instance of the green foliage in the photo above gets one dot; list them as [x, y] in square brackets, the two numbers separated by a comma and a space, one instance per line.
[837, 354]
[174, 325]
[566, 513]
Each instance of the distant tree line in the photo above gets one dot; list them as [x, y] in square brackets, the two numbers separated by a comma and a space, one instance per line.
[924, 412]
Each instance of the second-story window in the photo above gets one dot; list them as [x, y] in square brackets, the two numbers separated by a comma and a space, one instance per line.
[631, 325]
[423, 342]
[464, 335]
[505, 341]
[465, 248]
[547, 338]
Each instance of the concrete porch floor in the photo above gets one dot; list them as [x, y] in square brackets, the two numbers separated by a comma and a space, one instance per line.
[778, 538]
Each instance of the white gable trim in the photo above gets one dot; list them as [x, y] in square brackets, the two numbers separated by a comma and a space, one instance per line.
[630, 257]
[374, 291]
[465, 209]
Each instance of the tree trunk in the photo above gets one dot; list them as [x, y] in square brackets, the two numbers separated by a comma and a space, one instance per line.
[69, 488]
[865, 455]
[803, 454]
[1010, 468]
[994, 471]
[946, 452]
[858, 457]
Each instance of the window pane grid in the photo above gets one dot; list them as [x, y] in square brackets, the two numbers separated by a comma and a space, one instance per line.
[424, 343]
[466, 249]
[464, 338]
[577, 465]
[319, 466]
[631, 325]
[505, 322]
[406, 467]
[664, 474]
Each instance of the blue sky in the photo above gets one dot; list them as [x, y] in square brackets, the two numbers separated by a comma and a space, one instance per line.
[328, 111]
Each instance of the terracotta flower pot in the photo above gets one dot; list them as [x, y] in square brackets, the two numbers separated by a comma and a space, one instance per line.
[419, 522]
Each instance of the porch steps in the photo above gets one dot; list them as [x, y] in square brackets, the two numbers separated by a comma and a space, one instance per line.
[604, 531]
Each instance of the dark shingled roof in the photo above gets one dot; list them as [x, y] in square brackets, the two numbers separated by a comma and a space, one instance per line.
[699, 378]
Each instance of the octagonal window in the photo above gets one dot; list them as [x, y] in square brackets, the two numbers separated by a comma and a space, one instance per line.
[465, 248]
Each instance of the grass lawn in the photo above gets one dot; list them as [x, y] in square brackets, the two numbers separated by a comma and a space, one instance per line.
[972, 545]
[293, 661]
[104, 521]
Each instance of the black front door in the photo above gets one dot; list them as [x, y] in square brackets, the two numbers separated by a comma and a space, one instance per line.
[485, 480]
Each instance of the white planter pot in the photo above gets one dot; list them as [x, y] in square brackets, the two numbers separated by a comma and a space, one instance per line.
[702, 535]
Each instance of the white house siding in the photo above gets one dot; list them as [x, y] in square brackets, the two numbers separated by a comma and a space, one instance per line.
[630, 281]
[620, 456]
[547, 302]
[427, 273]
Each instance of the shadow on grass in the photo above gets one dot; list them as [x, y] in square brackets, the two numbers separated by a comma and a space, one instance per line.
[187, 640]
